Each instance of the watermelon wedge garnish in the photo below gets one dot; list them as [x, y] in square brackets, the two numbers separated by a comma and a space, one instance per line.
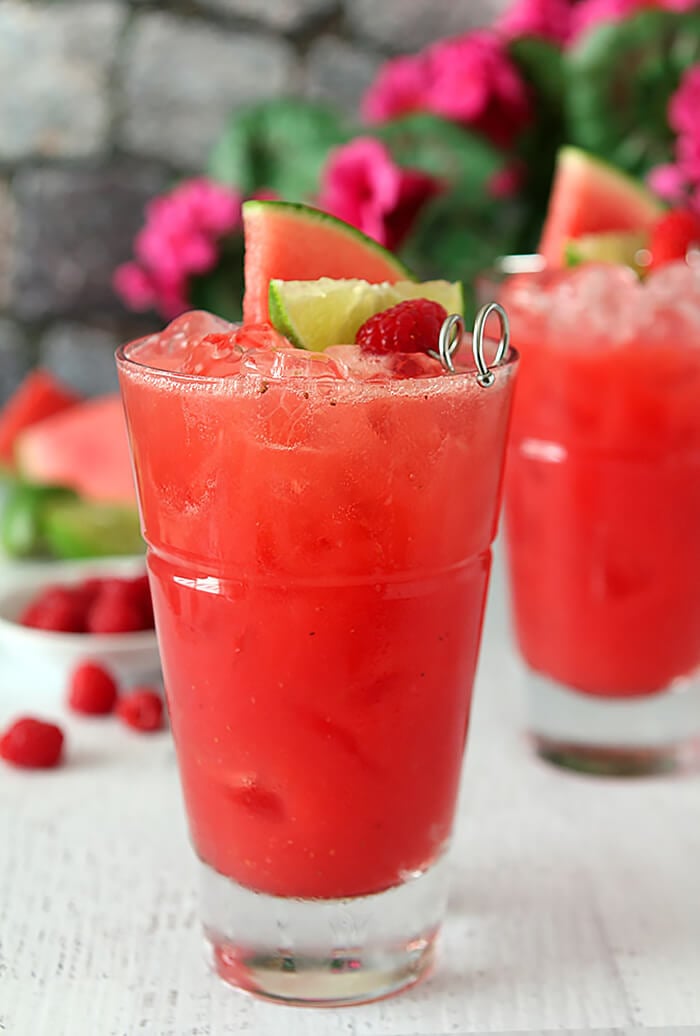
[85, 449]
[286, 241]
[591, 197]
[40, 395]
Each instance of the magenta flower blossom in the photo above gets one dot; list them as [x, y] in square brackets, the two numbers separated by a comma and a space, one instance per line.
[679, 182]
[179, 240]
[685, 105]
[475, 82]
[547, 19]
[470, 79]
[362, 185]
[400, 88]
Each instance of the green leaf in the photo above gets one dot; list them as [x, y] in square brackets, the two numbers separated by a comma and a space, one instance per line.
[221, 290]
[443, 150]
[280, 145]
[541, 65]
[458, 236]
[620, 78]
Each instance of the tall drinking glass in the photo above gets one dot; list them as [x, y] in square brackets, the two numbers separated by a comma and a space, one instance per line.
[318, 534]
[602, 504]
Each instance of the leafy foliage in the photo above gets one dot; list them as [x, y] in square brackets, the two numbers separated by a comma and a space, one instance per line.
[280, 146]
[619, 80]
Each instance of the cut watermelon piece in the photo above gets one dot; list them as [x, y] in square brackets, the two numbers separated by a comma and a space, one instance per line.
[85, 448]
[40, 395]
[591, 197]
[289, 242]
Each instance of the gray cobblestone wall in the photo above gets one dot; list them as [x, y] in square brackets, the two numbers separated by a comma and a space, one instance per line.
[104, 102]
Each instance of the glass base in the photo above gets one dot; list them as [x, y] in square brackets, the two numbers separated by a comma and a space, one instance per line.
[323, 952]
[626, 737]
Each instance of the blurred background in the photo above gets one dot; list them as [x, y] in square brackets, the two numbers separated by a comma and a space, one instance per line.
[106, 103]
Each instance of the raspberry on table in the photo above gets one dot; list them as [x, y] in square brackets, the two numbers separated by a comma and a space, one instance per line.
[32, 743]
[411, 326]
[115, 610]
[92, 690]
[56, 609]
[141, 709]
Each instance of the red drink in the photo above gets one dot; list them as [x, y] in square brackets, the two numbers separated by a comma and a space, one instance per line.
[603, 481]
[319, 536]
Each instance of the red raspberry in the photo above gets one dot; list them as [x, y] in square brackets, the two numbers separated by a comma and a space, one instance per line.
[32, 743]
[58, 609]
[412, 326]
[92, 690]
[672, 236]
[115, 609]
[141, 591]
[141, 709]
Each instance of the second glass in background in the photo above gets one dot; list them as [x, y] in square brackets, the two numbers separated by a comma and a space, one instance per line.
[602, 509]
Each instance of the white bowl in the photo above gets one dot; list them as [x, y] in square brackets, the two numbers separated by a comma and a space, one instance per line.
[38, 663]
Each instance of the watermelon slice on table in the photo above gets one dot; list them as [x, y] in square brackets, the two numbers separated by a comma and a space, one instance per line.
[286, 241]
[39, 396]
[591, 197]
[85, 449]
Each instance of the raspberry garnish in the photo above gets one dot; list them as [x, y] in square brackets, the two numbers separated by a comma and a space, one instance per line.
[141, 709]
[412, 326]
[32, 743]
[92, 690]
[672, 236]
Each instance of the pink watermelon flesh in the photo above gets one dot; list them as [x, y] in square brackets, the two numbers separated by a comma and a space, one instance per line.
[85, 448]
[294, 242]
[590, 197]
[39, 396]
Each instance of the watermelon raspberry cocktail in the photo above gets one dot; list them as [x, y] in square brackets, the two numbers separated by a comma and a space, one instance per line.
[603, 507]
[318, 583]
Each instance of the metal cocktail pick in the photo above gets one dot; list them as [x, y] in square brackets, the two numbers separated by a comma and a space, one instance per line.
[451, 334]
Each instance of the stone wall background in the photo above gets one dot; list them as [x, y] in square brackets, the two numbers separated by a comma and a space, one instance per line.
[103, 103]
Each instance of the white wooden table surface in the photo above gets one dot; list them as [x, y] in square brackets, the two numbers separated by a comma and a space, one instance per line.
[575, 906]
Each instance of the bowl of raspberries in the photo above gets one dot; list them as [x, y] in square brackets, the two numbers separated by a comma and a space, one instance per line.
[100, 612]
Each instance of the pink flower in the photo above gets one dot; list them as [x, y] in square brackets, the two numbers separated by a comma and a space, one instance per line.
[684, 109]
[178, 241]
[668, 182]
[679, 183]
[400, 88]
[475, 82]
[362, 185]
[548, 19]
[470, 79]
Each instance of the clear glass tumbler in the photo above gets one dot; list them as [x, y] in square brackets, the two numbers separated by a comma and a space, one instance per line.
[602, 507]
[319, 552]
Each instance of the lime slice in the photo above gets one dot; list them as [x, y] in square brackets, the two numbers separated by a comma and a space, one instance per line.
[316, 314]
[628, 249]
[21, 517]
[79, 529]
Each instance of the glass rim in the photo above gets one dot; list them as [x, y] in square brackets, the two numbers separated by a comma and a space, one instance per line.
[250, 377]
